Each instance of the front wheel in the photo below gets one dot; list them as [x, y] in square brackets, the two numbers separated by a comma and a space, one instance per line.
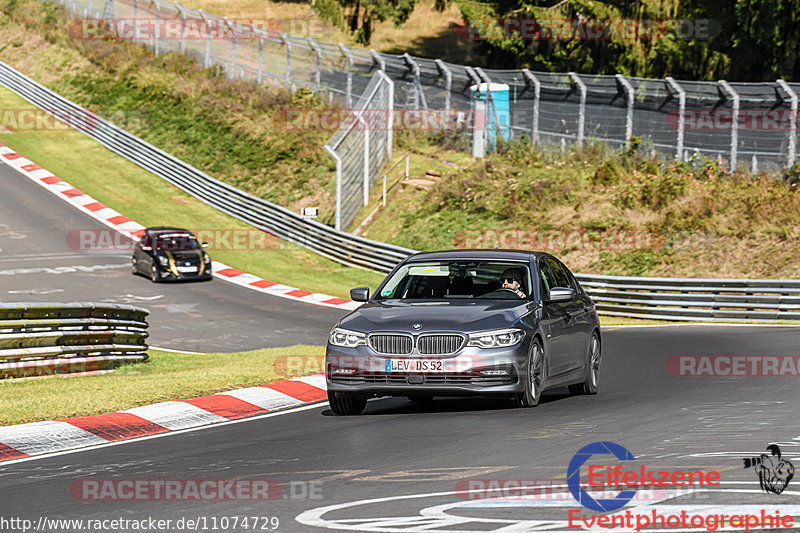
[533, 378]
[589, 385]
[154, 274]
[346, 404]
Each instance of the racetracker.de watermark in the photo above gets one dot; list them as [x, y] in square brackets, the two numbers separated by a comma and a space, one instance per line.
[110, 241]
[734, 365]
[60, 120]
[195, 28]
[551, 490]
[587, 29]
[379, 119]
[726, 119]
[559, 240]
[193, 490]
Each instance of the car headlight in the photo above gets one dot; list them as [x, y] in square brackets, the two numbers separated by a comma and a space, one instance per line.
[163, 260]
[206, 258]
[499, 338]
[347, 338]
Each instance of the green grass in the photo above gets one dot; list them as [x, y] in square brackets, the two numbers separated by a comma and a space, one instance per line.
[167, 376]
[152, 201]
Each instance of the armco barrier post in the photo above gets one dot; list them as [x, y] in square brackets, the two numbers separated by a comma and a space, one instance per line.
[531, 80]
[793, 125]
[627, 89]
[672, 86]
[734, 97]
[582, 109]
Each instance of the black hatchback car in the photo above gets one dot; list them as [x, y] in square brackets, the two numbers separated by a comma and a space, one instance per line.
[170, 254]
[466, 322]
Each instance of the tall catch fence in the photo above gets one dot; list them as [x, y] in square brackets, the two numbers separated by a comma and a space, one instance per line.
[752, 124]
[361, 147]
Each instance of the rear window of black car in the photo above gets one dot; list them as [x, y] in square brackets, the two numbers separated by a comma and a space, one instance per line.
[453, 280]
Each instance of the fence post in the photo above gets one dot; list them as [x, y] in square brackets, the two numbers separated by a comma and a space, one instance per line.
[182, 11]
[414, 68]
[672, 85]
[232, 26]
[135, 21]
[793, 126]
[629, 96]
[390, 119]
[349, 86]
[725, 86]
[260, 53]
[316, 49]
[376, 57]
[448, 82]
[158, 26]
[110, 11]
[338, 215]
[582, 109]
[207, 58]
[288, 74]
[530, 79]
[366, 158]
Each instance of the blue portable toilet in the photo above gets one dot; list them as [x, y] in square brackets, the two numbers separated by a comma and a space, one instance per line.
[490, 105]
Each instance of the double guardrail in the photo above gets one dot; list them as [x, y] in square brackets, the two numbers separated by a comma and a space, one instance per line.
[728, 300]
[657, 298]
[50, 338]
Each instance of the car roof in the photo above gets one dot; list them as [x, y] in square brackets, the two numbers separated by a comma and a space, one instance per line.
[480, 253]
[166, 229]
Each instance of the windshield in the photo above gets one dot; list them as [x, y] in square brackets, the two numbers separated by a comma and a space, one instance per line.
[176, 242]
[458, 279]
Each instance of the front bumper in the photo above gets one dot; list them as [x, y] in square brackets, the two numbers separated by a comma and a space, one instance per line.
[473, 371]
[166, 274]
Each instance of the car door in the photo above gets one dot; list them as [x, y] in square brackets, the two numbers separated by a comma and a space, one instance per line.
[577, 326]
[554, 323]
[582, 318]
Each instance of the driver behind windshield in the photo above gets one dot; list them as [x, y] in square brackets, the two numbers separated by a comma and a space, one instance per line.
[512, 280]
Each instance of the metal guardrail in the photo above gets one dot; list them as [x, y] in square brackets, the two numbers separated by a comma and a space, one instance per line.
[729, 300]
[337, 245]
[657, 298]
[55, 338]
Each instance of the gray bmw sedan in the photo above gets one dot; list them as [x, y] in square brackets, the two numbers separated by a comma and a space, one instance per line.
[466, 322]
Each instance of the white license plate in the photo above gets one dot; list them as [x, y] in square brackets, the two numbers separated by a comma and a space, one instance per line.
[414, 365]
[187, 269]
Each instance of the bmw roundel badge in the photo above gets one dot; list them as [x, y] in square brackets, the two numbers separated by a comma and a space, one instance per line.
[416, 326]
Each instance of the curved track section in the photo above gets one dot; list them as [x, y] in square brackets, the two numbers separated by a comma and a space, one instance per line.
[399, 466]
[38, 265]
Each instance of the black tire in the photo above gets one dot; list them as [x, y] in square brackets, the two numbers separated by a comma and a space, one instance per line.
[346, 404]
[592, 380]
[533, 377]
[420, 397]
[154, 274]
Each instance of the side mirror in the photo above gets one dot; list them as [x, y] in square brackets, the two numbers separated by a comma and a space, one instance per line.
[561, 294]
[204, 245]
[359, 294]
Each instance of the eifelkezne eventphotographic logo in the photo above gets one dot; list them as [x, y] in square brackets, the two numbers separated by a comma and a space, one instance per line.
[774, 473]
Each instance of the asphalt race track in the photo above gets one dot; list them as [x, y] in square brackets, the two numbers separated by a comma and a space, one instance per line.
[38, 265]
[400, 465]
[426, 451]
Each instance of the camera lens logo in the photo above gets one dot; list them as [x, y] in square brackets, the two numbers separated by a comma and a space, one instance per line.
[574, 476]
[774, 473]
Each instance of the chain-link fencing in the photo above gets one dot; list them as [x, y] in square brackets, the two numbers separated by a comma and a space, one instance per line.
[745, 124]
